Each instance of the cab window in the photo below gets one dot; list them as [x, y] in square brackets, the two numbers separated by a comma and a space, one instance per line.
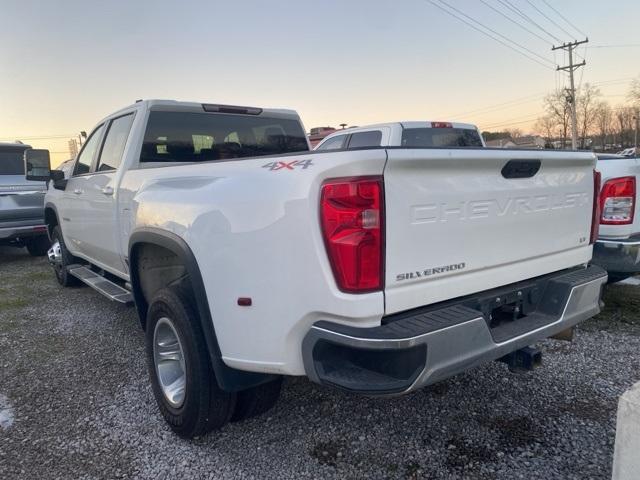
[116, 139]
[333, 143]
[83, 165]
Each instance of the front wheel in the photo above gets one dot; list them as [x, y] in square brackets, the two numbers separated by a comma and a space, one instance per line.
[182, 378]
[60, 258]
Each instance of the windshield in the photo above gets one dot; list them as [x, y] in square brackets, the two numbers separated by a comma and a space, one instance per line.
[198, 137]
[440, 137]
[11, 161]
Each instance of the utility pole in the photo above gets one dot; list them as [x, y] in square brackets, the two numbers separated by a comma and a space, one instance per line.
[572, 67]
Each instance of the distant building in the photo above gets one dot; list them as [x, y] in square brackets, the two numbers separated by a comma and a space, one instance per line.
[318, 133]
[529, 141]
[501, 143]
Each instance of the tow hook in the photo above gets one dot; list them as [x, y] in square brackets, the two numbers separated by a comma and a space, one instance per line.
[523, 360]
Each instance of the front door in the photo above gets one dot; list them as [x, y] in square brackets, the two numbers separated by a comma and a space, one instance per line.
[100, 218]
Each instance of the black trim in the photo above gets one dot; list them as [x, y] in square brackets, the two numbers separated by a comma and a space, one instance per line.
[229, 379]
[521, 168]
[51, 206]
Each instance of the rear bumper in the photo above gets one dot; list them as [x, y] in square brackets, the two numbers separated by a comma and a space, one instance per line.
[423, 346]
[13, 233]
[620, 256]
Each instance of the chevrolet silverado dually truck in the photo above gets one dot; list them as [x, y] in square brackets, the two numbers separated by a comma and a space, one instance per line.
[617, 249]
[376, 270]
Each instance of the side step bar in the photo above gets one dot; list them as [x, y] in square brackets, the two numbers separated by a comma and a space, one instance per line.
[106, 287]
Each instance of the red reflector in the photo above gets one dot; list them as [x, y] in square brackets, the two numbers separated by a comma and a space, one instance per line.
[617, 201]
[352, 217]
[441, 125]
[40, 229]
[595, 215]
[244, 301]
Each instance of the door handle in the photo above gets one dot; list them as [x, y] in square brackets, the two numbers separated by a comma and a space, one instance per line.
[77, 191]
[107, 190]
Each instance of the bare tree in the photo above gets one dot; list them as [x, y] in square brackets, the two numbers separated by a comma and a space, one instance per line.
[559, 112]
[514, 132]
[546, 125]
[603, 121]
[634, 92]
[586, 103]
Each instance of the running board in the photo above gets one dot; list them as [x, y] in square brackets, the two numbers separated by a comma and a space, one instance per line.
[109, 289]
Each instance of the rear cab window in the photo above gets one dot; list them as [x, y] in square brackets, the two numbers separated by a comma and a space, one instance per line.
[372, 138]
[198, 137]
[12, 160]
[441, 137]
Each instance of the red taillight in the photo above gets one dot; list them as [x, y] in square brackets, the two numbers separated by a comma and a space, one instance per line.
[441, 125]
[595, 214]
[351, 217]
[617, 201]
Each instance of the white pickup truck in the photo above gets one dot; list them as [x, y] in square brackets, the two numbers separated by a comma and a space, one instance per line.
[411, 134]
[378, 270]
[618, 247]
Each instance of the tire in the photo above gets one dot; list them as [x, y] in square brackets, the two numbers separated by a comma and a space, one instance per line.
[201, 406]
[38, 246]
[64, 278]
[257, 400]
[617, 277]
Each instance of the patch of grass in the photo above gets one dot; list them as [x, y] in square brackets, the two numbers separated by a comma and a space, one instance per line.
[11, 303]
[38, 276]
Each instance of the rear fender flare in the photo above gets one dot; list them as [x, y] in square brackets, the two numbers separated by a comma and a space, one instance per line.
[229, 379]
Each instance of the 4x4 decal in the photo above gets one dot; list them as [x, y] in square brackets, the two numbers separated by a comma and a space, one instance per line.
[304, 164]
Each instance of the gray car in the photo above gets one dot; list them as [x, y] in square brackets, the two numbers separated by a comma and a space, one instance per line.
[21, 203]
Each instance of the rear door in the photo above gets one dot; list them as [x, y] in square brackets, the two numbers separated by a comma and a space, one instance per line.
[460, 221]
[21, 201]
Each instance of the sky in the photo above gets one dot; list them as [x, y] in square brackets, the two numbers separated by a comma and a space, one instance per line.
[64, 65]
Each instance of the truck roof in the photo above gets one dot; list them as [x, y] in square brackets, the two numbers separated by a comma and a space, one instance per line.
[166, 104]
[14, 145]
[408, 124]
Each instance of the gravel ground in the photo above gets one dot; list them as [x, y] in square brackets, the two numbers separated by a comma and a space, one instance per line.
[75, 403]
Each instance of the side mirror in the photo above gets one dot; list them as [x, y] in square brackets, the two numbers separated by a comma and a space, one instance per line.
[58, 179]
[37, 165]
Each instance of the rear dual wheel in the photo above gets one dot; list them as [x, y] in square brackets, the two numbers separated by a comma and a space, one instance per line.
[182, 378]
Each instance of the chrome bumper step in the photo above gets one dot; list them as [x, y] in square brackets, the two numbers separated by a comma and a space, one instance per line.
[106, 287]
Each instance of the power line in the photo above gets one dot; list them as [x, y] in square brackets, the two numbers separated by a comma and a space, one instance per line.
[624, 45]
[487, 34]
[513, 8]
[497, 33]
[514, 21]
[549, 18]
[565, 19]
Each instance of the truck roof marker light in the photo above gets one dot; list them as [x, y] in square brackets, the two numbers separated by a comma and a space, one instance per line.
[214, 108]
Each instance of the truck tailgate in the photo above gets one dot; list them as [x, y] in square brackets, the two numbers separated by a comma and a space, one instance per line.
[460, 221]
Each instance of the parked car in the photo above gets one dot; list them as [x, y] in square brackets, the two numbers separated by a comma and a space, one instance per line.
[377, 271]
[21, 203]
[618, 247]
[405, 134]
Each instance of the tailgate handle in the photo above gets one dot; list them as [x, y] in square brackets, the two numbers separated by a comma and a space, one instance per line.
[521, 168]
